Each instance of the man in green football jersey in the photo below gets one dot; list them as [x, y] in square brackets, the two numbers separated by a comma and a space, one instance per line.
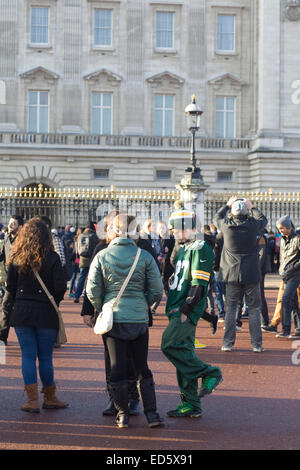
[185, 306]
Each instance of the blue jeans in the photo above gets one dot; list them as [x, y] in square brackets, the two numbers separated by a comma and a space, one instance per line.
[37, 343]
[81, 280]
[289, 304]
[73, 278]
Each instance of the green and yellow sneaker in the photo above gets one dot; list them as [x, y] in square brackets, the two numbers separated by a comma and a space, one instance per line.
[209, 384]
[184, 409]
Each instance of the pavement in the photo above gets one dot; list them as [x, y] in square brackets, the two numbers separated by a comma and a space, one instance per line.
[256, 407]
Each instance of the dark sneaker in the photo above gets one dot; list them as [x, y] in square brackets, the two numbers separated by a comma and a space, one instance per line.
[209, 384]
[295, 336]
[283, 335]
[154, 419]
[184, 409]
[270, 328]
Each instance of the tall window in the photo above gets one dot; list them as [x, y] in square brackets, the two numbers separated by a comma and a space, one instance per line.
[39, 25]
[163, 115]
[226, 33]
[38, 111]
[102, 27]
[164, 30]
[225, 117]
[102, 113]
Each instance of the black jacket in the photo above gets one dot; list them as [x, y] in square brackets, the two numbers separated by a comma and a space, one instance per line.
[29, 304]
[239, 258]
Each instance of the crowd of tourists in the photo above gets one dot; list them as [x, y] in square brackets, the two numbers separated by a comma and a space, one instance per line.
[216, 275]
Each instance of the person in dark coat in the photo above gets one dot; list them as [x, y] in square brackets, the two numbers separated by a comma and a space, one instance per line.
[240, 224]
[33, 316]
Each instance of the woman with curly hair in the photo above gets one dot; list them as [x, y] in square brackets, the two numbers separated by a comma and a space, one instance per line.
[32, 314]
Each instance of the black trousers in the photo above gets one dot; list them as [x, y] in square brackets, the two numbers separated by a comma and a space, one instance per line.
[120, 351]
[133, 393]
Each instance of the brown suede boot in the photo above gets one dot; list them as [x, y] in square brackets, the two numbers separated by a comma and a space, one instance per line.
[51, 402]
[32, 405]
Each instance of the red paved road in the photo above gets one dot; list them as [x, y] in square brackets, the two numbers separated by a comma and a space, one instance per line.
[255, 407]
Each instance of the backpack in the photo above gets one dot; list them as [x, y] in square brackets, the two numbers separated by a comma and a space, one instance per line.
[84, 245]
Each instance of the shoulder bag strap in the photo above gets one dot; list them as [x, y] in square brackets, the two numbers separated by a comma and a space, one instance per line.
[127, 278]
[50, 297]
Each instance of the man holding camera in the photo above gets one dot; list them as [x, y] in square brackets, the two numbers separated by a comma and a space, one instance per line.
[240, 223]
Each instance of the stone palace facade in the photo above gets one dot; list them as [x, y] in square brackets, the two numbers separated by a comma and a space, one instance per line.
[93, 92]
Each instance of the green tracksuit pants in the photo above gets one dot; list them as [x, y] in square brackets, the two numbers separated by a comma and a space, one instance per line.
[178, 345]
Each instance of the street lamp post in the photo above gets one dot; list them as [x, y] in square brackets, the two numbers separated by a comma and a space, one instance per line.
[192, 186]
[193, 113]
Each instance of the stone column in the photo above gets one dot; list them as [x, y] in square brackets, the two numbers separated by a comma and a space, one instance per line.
[2, 92]
[269, 53]
[134, 93]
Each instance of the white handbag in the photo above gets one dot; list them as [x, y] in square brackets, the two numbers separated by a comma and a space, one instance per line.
[104, 322]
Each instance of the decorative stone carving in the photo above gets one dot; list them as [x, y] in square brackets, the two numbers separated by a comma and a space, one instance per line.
[39, 73]
[105, 75]
[165, 78]
[292, 11]
[221, 80]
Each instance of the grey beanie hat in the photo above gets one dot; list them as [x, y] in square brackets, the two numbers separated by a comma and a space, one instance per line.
[239, 207]
[285, 221]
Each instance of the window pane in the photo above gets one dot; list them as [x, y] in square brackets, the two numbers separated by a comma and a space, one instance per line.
[224, 176]
[219, 125]
[43, 124]
[44, 98]
[164, 29]
[158, 130]
[220, 103]
[226, 42]
[32, 119]
[168, 123]
[101, 173]
[106, 121]
[163, 174]
[169, 101]
[32, 97]
[226, 27]
[103, 27]
[107, 99]
[230, 125]
[230, 103]
[96, 99]
[39, 25]
[158, 101]
[226, 23]
[96, 121]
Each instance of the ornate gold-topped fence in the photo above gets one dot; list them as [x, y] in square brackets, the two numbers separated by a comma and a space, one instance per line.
[76, 206]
